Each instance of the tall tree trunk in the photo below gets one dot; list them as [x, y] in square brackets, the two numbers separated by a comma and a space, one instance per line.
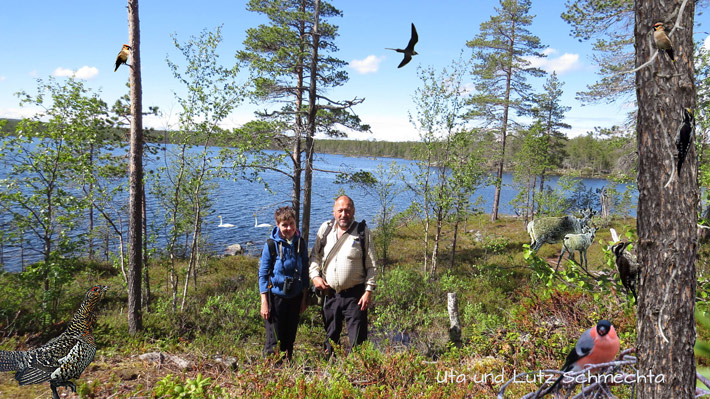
[299, 132]
[312, 113]
[297, 172]
[146, 271]
[427, 221]
[504, 127]
[91, 206]
[437, 238]
[667, 214]
[135, 227]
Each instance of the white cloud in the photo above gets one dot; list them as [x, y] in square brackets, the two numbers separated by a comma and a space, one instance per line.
[19, 113]
[370, 64]
[564, 63]
[3, 78]
[85, 72]
[706, 44]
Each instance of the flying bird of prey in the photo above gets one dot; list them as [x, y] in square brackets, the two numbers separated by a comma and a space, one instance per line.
[122, 56]
[409, 50]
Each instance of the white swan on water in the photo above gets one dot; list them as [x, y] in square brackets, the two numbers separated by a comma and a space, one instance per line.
[256, 223]
[224, 224]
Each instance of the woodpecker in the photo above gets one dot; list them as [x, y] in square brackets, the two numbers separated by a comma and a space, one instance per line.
[122, 56]
[409, 50]
[662, 40]
[684, 137]
[597, 345]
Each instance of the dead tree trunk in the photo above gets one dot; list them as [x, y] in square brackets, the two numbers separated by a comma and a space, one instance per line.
[135, 210]
[455, 327]
[666, 212]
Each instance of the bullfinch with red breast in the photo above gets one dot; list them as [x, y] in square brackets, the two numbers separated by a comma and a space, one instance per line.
[597, 345]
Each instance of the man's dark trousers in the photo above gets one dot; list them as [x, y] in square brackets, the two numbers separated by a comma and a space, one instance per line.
[282, 324]
[343, 307]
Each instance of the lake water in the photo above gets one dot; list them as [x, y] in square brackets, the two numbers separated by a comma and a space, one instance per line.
[237, 202]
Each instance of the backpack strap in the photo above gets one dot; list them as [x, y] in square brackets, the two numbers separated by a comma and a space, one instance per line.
[320, 243]
[362, 237]
[272, 250]
[302, 247]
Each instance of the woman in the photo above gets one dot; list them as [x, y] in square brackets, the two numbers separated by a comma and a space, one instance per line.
[283, 281]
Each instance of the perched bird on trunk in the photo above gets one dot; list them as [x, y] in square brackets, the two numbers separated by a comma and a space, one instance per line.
[409, 50]
[62, 358]
[122, 57]
[628, 267]
[662, 40]
[684, 137]
[598, 345]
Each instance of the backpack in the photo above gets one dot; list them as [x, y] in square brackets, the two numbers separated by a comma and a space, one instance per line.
[360, 234]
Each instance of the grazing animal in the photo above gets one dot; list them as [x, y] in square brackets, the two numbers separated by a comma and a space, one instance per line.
[628, 267]
[577, 242]
[597, 345]
[409, 50]
[554, 229]
[122, 57]
[62, 358]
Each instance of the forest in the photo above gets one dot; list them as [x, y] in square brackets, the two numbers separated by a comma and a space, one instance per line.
[469, 302]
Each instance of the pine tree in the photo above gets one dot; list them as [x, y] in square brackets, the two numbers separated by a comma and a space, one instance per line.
[667, 209]
[550, 113]
[501, 71]
[610, 24]
[280, 58]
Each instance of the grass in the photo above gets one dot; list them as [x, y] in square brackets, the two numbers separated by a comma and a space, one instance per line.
[515, 316]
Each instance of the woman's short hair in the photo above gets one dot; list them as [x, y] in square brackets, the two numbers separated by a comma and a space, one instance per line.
[284, 213]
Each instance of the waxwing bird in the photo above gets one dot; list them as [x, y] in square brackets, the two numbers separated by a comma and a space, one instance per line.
[684, 137]
[599, 344]
[662, 40]
[63, 358]
[409, 50]
[122, 56]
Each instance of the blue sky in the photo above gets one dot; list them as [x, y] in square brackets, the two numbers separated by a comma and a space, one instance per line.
[83, 37]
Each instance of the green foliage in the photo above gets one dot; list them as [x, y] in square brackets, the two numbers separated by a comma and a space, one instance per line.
[53, 177]
[171, 387]
[451, 165]
[384, 186]
[232, 313]
[610, 23]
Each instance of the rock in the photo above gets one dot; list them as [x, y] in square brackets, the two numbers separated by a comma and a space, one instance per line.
[228, 361]
[127, 375]
[234, 249]
[159, 357]
[180, 362]
[155, 357]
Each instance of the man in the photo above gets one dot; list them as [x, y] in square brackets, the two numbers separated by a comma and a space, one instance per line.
[344, 273]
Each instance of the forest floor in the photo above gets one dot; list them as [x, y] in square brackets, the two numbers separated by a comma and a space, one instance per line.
[516, 316]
